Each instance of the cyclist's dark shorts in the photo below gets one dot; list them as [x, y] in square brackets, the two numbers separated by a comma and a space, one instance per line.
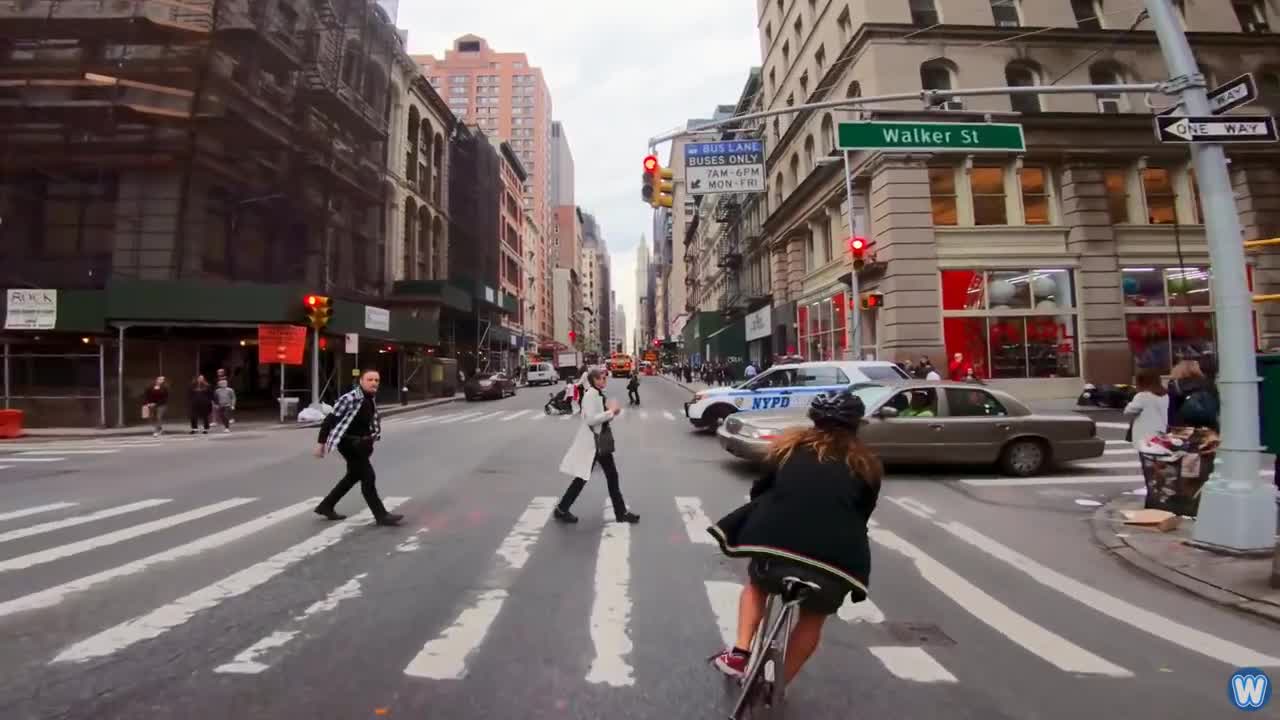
[768, 573]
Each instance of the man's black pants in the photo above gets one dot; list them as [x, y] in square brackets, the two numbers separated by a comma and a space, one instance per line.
[359, 470]
[633, 395]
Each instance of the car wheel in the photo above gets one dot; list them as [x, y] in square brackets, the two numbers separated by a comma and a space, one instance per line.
[716, 415]
[1024, 458]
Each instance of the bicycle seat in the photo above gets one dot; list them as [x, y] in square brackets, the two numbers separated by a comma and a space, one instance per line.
[794, 587]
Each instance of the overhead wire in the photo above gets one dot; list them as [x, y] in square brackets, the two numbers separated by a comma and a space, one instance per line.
[1142, 16]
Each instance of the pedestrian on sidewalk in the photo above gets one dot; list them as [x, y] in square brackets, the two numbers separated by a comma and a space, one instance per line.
[593, 445]
[353, 427]
[224, 400]
[199, 403]
[1150, 408]
[154, 403]
[1193, 396]
[749, 371]
[633, 388]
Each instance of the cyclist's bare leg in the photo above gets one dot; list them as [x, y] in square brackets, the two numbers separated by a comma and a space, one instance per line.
[804, 640]
[750, 610]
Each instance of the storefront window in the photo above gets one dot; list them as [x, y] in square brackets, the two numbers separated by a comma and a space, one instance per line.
[942, 193]
[1025, 329]
[988, 196]
[1158, 322]
[1142, 287]
[1157, 186]
[1035, 195]
[822, 328]
[1187, 287]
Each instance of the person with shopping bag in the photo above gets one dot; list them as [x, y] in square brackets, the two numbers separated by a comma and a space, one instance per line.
[593, 445]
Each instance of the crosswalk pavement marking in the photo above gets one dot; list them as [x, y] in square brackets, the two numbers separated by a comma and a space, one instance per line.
[249, 661]
[446, 656]
[723, 597]
[566, 417]
[862, 612]
[667, 414]
[1113, 425]
[1049, 646]
[55, 595]
[5, 467]
[695, 520]
[1120, 442]
[1161, 627]
[611, 607]
[15, 514]
[37, 453]
[459, 418]
[515, 415]
[644, 414]
[539, 416]
[486, 416]
[111, 538]
[911, 663]
[1118, 451]
[80, 519]
[169, 616]
[1053, 480]
[15, 459]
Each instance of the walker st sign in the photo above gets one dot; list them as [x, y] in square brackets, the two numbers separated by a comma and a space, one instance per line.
[931, 136]
[1213, 129]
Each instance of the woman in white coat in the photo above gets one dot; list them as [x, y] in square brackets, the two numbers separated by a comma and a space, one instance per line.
[584, 454]
[1151, 406]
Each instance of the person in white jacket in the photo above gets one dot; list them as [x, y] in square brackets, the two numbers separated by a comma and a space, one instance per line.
[584, 454]
[1151, 406]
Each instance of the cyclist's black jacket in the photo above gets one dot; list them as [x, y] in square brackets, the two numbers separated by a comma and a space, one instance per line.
[807, 512]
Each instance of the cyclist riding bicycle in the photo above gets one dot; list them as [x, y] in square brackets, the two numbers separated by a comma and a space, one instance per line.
[807, 519]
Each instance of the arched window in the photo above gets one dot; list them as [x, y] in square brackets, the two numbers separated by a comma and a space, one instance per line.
[936, 75]
[854, 90]
[1269, 89]
[424, 161]
[438, 269]
[778, 192]
[1108, 74]
[828, 134]
[810, 162]
[411, 153]
[424, 244]
[1021, 74]
[795, 172]
[410, 237]
[437, 173]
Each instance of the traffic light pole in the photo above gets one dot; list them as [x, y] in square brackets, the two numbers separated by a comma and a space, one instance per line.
[854, 306]
[1237, 509]
[315, 367]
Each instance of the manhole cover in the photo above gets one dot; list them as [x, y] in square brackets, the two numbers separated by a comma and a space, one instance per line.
[913, 633]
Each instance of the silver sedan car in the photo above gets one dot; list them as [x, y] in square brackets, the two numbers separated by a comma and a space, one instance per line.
[924, 422]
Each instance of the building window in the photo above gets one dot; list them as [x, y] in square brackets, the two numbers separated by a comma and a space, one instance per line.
[1169, 314]
[1088, 14]
[1117, 183]
[820, 58]
[799, 28]
[1035, 195]
[786, 53]
[987, 184]
[821, 328]
[1010, 323]
[1269, 90]
[804, 84]
[1108, 102]
[458, 91]
[517, 66]
[1252, 15]
[1157, 190]
[942, 195]
[935, 75]
[1021, 75]
[845, 23]
[923, 13]
[1005, 13]
[768, 34]
[459, 79]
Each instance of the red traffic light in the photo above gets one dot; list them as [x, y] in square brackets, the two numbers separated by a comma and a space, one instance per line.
[312, 300]
[650, 163]
[857, 245]
[572, 336]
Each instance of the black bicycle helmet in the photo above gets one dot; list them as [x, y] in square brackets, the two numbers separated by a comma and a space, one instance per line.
[843, 409]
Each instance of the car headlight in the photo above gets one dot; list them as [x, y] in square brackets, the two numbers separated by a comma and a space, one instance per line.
[698, 396]
[486, 383]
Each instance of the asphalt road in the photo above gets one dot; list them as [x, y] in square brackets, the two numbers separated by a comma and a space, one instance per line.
[187, 578]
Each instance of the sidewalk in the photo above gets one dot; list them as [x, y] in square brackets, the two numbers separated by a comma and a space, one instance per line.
[1240, 583]
[180, 426]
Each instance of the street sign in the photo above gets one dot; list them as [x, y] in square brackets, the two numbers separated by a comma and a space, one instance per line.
[353, 343]
[931, 136]
[1227, 96]
[1210, 129]
[732, 166]
[281, 344]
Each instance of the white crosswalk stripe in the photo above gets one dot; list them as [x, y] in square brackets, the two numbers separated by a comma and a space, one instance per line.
[515, 415]
[611, 607]
[33, 453]
[165, 618]
[15, 514]
[80, 519]
[486, 416]
[667, 414]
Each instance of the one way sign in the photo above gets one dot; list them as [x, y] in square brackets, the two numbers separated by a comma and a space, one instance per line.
[1212, 129]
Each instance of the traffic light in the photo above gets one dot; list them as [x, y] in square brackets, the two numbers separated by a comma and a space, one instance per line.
[657, 183]
[657, 342]
[318, 311]
[573, 336]
[872, 300]
[858, 248]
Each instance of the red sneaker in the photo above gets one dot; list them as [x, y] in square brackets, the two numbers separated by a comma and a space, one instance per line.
[731, 662]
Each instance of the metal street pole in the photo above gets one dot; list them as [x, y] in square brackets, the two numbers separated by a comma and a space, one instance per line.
[315, 367]
[1237, 510]
[855, 305]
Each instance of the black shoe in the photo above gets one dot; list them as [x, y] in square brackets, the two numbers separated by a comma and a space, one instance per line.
[329, 514]
[389, 519]
[628, 517]
[565, 516]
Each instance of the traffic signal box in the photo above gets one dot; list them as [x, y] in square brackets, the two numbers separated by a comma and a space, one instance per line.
[657, 184]
[319, 310]
[872, 300]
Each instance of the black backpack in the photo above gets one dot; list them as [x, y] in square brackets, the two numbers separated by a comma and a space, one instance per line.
[1200, 408]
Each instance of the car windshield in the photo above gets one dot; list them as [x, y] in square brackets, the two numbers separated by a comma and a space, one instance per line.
[871, 395]
[775, 377]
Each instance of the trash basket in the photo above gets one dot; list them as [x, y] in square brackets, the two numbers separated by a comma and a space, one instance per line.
[1173, 484]
[10, 424]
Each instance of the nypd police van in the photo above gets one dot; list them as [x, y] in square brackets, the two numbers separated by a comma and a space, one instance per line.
[786, 386]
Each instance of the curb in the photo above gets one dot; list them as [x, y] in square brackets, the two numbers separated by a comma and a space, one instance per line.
[387, 412]
[679, 384]
[1104, 534]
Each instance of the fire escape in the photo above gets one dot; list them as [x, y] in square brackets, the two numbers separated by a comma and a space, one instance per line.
[729, 254]
[691, 266]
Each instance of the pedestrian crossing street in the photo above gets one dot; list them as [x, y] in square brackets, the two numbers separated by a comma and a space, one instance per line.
[19, 454]
[483, 415]
[447, 650]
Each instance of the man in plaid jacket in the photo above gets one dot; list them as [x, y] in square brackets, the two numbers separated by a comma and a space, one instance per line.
[352, 428]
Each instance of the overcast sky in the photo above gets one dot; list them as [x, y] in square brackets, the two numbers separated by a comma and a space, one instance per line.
[619, 74]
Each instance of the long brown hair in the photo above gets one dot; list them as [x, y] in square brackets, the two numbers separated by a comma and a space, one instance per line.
[828, 445]
[1148, 379]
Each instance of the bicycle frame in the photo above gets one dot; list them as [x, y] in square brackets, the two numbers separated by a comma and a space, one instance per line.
[767, 637]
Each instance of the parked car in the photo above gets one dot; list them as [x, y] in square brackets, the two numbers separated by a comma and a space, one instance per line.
[489, 386]
[543, 374]
[922, 422]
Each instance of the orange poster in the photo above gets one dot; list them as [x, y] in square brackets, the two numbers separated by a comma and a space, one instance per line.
[281, 344]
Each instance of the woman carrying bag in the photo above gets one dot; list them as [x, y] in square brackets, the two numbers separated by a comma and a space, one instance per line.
[593, 445]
